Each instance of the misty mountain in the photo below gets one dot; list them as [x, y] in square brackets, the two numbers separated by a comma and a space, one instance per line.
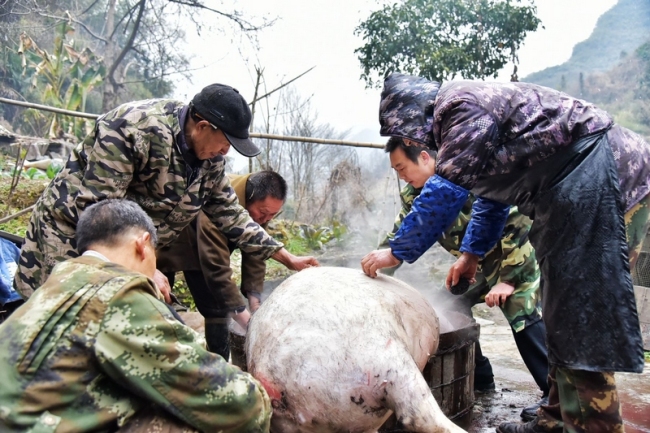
[618, 33]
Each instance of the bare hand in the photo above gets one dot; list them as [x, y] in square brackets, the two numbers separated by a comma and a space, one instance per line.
[377, 260]
[499, 294]
[242, 319]
[254, 303]
[465, 266]
[299, 263]
[294, 263]
[162, 283]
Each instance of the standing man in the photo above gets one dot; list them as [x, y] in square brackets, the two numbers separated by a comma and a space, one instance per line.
[202, 252]
[508, 276]
[166, 156]
[96, 349]
[582, 179]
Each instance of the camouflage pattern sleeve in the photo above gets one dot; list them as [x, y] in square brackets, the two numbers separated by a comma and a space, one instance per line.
[235, 223]
[142, 347]
[518, 262]
[110, 155]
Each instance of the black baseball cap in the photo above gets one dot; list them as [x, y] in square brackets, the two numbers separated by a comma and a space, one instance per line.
[225, 108]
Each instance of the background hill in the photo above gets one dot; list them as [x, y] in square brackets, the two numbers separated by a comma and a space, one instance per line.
[612, 67]
[618, 33]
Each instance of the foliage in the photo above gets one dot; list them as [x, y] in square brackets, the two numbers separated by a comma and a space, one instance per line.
[302, 239]
[24, 195]
[62, 79]
[647, 356]
[182, 292]
[440, 39]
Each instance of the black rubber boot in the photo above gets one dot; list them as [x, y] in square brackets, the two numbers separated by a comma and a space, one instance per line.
[483, 376]
[531, 342]
[218, 337]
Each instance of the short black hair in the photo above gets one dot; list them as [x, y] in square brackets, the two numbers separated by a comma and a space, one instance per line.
[263, 184]
[411, 152]
[107, 221]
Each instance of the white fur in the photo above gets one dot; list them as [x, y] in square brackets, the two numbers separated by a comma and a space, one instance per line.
[339, 351]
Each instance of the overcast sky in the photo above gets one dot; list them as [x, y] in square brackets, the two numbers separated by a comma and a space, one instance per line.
[320, 33]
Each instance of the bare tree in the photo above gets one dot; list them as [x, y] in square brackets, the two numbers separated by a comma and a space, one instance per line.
[308, 165]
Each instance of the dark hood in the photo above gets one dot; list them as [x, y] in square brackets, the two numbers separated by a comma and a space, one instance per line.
[406, 108]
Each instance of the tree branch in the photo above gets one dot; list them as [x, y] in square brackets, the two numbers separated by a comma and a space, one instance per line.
[281, 86]
[244, 25]
[127, 14]
[128, 44]
[74, 20]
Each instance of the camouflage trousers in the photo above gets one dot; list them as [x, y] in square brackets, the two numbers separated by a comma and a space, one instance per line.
[586, 401]
[154, 420]
[581, 401]
[48, 241]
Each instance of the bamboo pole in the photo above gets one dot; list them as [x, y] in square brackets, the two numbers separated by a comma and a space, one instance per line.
[316, 140]
[16, 215]
[48, 108]
[253, 134]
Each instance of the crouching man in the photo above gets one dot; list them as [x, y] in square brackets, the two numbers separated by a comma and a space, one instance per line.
[96, 348]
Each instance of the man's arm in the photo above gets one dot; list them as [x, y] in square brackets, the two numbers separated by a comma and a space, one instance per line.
[407, 195]
[253, 271]
[144, 348]
[214, 259]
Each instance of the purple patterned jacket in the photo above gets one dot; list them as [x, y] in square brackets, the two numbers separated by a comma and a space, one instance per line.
[485, 128]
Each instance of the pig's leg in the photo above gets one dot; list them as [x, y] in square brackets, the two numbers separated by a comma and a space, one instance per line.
[415, 407]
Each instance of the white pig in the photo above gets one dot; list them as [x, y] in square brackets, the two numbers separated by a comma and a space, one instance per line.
[338, 351]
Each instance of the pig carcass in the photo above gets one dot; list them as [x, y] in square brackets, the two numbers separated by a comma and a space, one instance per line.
[338, 351]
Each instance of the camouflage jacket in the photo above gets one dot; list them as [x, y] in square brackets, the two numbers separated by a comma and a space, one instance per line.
[94, 346]
[512, 260]
[202, 247]
[135, 152]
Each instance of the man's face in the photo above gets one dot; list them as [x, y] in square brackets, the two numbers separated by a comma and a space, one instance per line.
[416, 174]
[263, 211]
[206, 142]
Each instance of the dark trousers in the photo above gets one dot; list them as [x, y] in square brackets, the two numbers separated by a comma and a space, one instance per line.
[532, 348]
[531, 342]
[212, 306]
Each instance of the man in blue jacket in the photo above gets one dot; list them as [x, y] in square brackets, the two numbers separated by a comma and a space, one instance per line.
[585, 183]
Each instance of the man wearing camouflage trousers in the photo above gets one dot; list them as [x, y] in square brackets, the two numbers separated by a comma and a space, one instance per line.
[585, 183]
[166, 156]
[509, 276]
[96, 349]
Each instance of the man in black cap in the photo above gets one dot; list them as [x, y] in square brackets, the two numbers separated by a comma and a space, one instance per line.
[169, 158]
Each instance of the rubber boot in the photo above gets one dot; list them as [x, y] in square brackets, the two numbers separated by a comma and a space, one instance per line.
[218, 337]
[531, 342]
[483, 376]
